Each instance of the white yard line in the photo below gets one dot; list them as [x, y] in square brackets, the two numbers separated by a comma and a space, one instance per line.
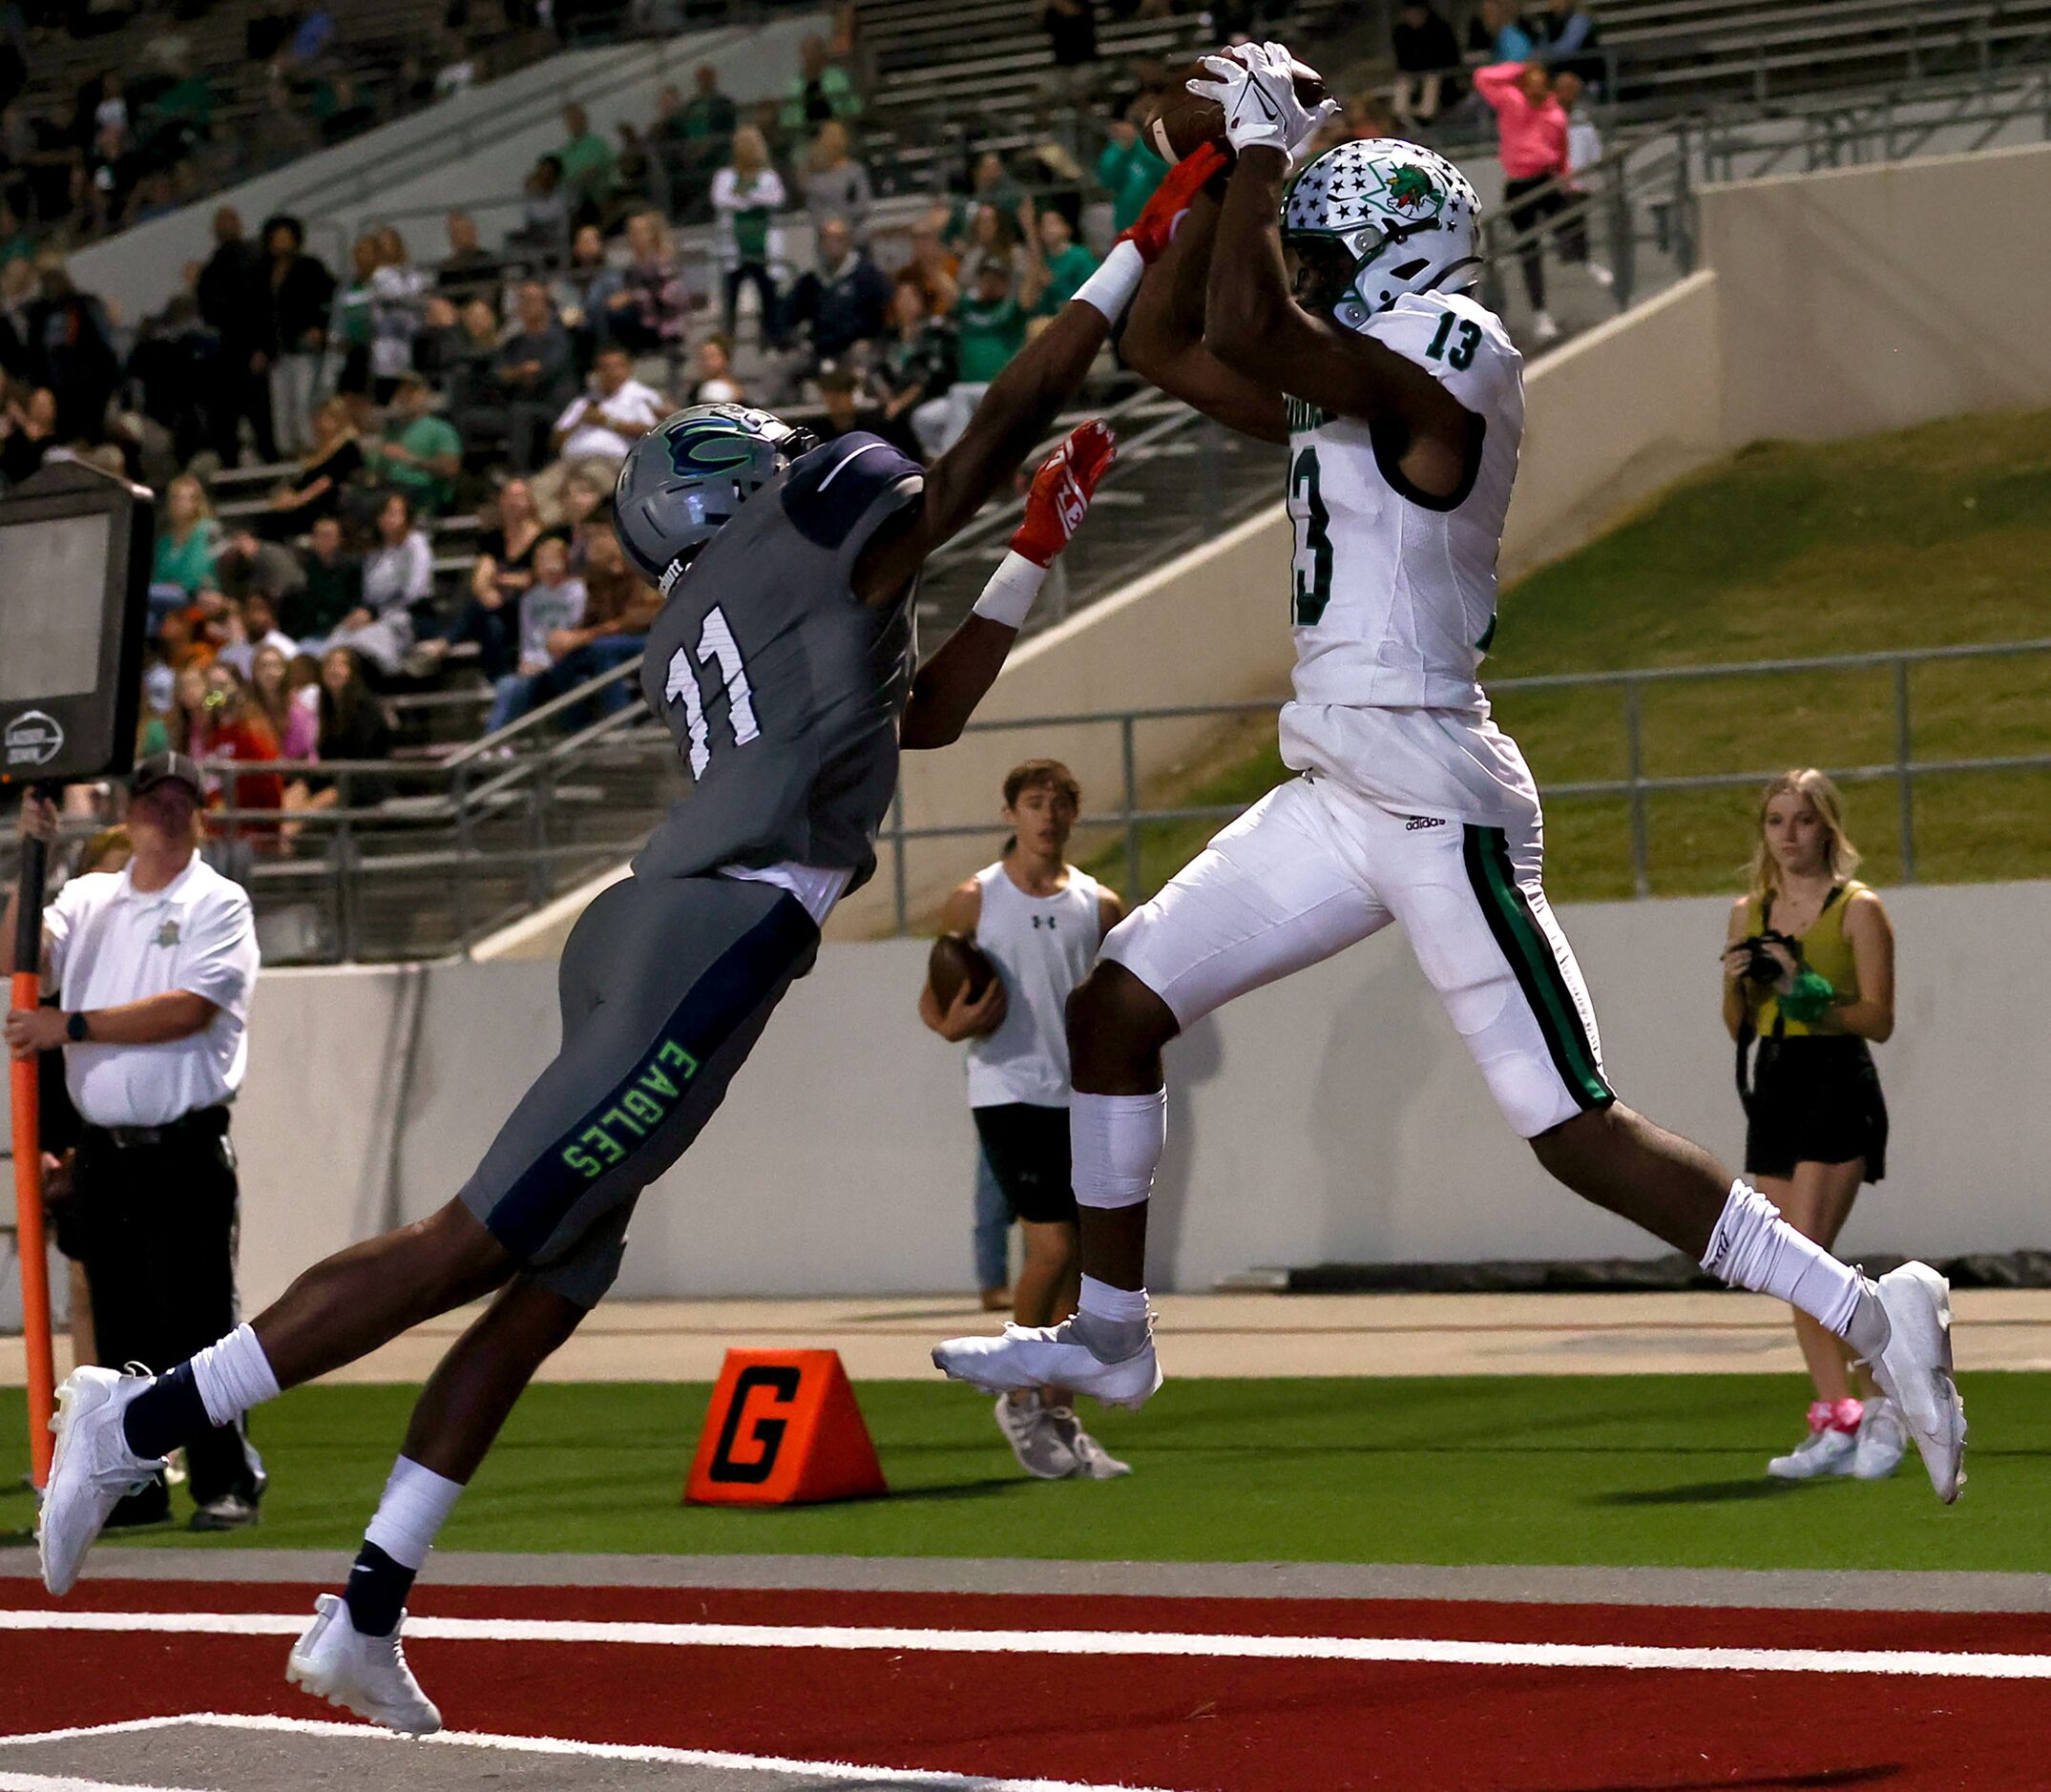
[828, 1770]
[1089, 1642]
[71, 1783]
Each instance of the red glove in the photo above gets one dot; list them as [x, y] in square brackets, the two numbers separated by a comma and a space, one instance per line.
[1062, 489]
[1155, 228]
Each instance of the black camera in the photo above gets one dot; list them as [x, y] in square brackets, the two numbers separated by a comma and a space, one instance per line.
[1760, 965]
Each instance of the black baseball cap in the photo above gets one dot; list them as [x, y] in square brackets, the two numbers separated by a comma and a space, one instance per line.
[169, 768]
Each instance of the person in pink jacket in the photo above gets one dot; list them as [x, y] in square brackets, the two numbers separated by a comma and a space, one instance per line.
[1533, 149]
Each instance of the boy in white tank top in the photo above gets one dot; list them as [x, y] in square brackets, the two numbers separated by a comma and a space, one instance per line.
[1040, 921]
[1335, 318]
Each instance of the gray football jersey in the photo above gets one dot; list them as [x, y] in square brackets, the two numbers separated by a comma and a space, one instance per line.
[782, 689]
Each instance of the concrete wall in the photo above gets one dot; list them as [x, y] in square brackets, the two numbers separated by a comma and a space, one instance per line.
[1211, 626]
[1333, 1116]
[1612, 418]
[475, 146]
[1876, 298]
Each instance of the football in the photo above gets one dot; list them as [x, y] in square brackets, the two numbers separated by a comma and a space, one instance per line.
[1184, 121]
[955, 960]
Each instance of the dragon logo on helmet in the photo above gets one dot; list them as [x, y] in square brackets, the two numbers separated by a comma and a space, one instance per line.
[1409, 189]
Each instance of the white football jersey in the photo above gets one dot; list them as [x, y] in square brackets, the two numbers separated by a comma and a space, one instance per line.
[1393, 593]
[1042, 947]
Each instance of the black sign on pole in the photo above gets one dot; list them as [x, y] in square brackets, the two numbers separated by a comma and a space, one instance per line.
[74, 587]
[74, 582]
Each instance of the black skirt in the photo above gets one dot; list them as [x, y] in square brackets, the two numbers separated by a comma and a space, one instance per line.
[1815, 1099]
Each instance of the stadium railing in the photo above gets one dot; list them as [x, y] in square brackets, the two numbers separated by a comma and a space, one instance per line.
[499, 829]
[1131, 816]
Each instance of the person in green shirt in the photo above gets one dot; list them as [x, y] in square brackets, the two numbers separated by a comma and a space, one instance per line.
[991, 325]
[1130, 170]
[1067, 263]
[420, 453]
[16, 242]
[586, 160]
[189, 543]
[821, 91]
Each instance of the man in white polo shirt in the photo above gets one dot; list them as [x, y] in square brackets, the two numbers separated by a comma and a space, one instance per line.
[600, 425]
[153, 968]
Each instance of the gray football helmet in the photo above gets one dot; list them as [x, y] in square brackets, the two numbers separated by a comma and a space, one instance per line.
[690, 473]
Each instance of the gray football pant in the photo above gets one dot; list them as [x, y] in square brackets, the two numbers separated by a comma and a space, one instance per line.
[666, 985]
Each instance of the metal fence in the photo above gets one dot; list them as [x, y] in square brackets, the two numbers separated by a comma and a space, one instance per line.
[448, 852]
[1131, 818]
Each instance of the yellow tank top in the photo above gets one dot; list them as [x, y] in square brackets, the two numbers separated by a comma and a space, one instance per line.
[1825, 950]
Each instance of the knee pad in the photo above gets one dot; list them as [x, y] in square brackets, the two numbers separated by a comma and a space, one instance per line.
[1116, 1143]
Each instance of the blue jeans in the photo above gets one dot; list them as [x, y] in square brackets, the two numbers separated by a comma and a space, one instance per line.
[494, 631]
[992, 1232]
[579, 667]
[512, 698]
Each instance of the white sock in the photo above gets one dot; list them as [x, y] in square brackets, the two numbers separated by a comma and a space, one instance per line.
[1106, 1300]
[233, 1375]
[415, 1506]
[1115, 1142]
[1754, 1248]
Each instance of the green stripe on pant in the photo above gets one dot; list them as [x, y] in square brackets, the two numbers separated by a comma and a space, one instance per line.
[1486, 851]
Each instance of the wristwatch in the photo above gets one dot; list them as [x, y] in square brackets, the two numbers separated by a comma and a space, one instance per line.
[74, 1026]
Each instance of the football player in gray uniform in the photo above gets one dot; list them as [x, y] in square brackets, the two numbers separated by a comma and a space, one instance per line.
[783, 664]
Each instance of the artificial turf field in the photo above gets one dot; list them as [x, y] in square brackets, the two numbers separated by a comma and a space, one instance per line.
[1659, 1470]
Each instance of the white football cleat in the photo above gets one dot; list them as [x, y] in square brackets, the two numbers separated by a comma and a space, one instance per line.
[1029, 1428]
[1827, 1449]
[1093, 1461]
[1915, 1370]
[1543, 329]
[367, 1675]
[1883, 1440]
[1047, 1356]
[90, 1470]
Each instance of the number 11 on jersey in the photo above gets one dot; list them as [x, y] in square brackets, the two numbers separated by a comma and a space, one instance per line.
[716, 644]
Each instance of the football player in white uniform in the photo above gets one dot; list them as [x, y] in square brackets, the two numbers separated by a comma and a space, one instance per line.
[1335, 316]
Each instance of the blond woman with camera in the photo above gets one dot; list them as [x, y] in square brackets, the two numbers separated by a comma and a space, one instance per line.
[1809, 971]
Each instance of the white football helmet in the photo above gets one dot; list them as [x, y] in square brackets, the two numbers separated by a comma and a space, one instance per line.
[1372, 219]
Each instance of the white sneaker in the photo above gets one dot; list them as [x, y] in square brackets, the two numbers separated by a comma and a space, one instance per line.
[1826, 1451]
[1047, 1356]
[1543, 329]
[1883, 1440]
[1600, 274]
[1093, 1461]
[367, 1675]
[1029, 1428]
[90, 1470]
[1915, 1370]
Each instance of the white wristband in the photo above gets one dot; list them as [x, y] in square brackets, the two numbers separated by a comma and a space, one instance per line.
[1110, 289]
[1008, 598]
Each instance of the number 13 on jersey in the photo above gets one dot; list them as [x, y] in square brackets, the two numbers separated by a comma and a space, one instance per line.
[716, 645]
[1310, 565]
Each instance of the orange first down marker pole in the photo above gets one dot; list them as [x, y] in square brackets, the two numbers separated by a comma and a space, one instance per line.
[26, 992]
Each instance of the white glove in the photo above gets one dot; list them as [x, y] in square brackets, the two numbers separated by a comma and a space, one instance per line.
[1256, 87]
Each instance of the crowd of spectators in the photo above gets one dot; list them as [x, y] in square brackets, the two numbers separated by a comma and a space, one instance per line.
[151, 125]
[1435, 88]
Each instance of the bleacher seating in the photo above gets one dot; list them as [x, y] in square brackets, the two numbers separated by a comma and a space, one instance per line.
[385, 49]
